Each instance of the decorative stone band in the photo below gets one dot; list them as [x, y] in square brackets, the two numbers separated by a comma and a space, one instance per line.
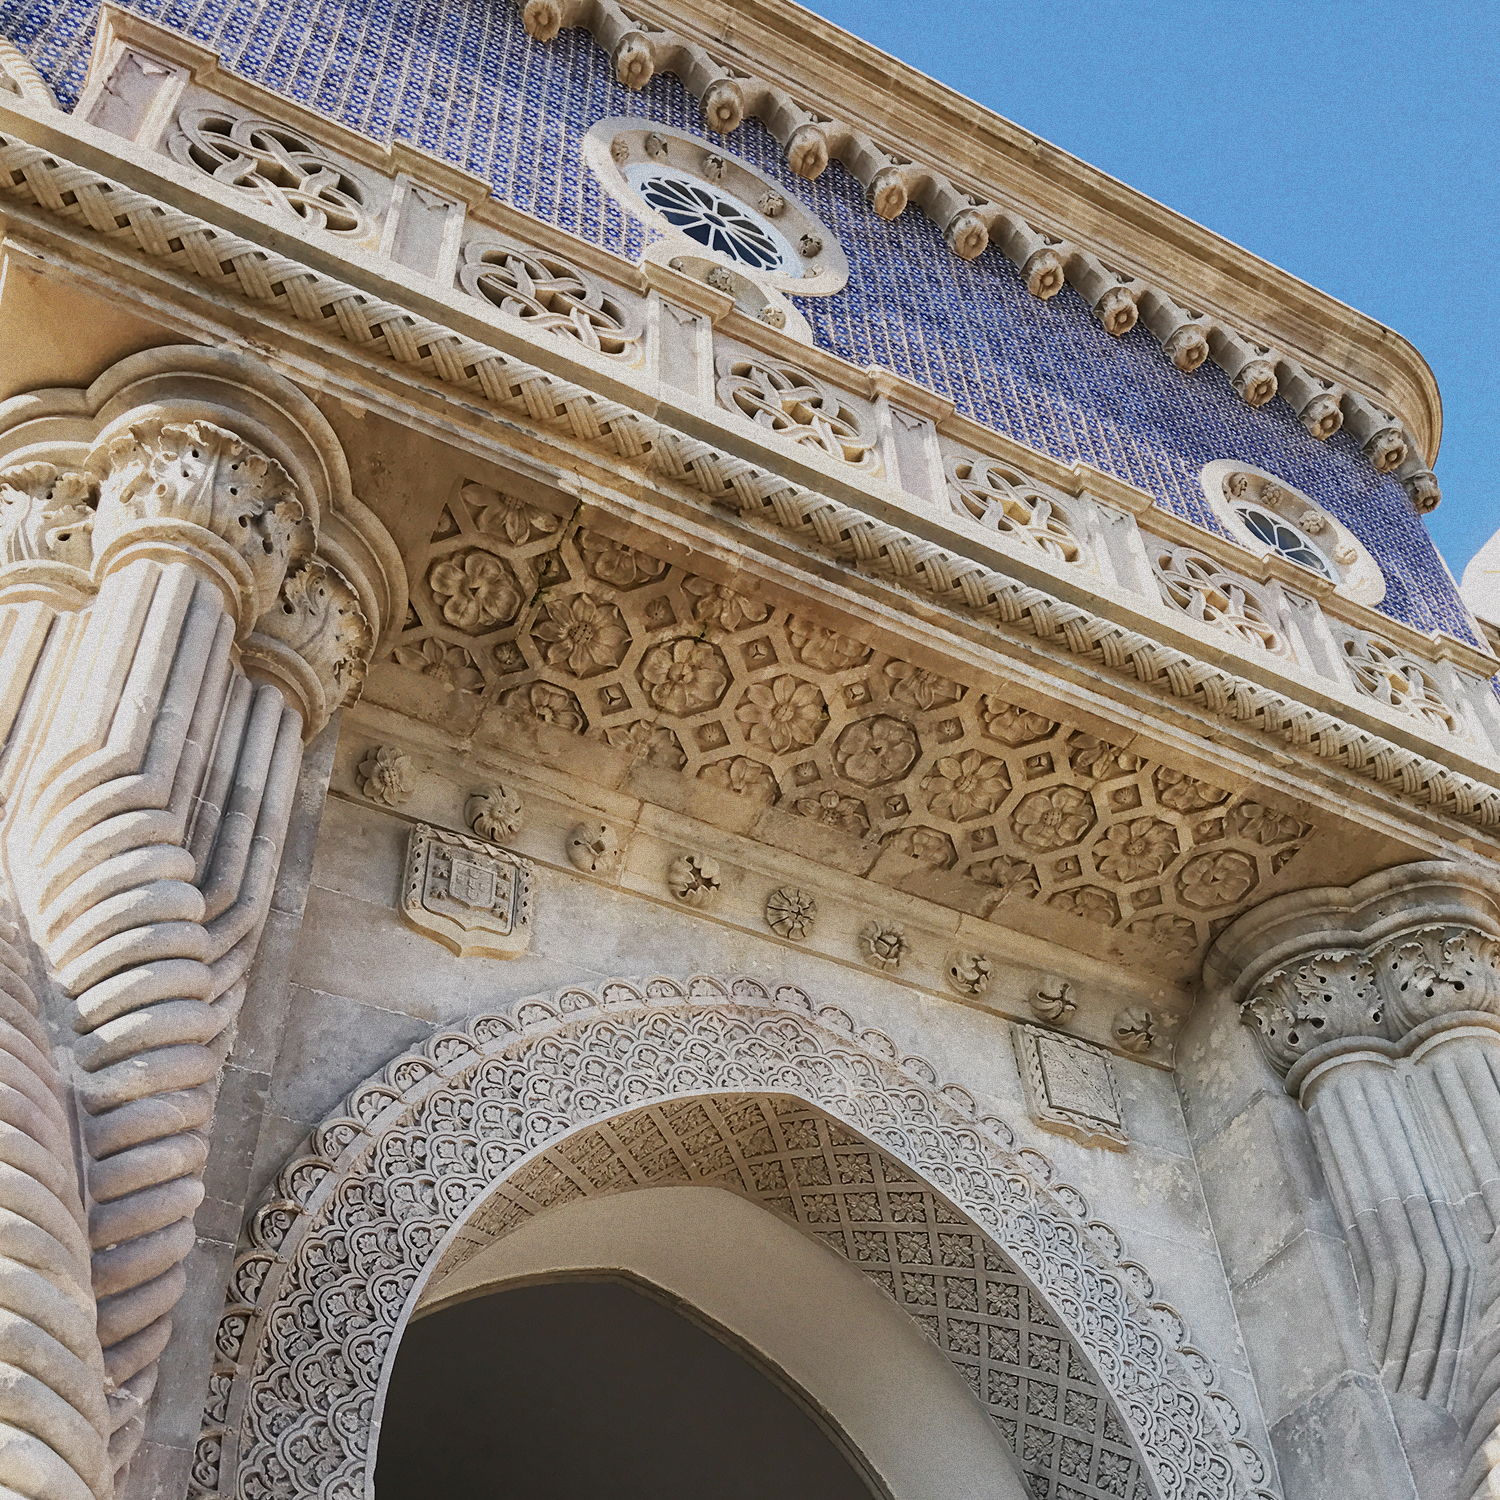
[381, 329]
[17, 76]
[334, 1263]
[971, 224]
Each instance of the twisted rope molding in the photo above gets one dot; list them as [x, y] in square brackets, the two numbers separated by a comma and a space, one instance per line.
[187, 244]
[970, 224]
[332, 1263]
[17, 75]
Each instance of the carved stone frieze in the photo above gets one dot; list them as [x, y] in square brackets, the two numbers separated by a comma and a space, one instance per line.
[1002, 500]
[495, 813]
[796, 405]
[470, 895]
[1070, 1086]
[580, 1077]
[728, 689]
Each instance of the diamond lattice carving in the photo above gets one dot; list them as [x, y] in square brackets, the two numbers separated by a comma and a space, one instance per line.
[971, 1301]
[579, 630]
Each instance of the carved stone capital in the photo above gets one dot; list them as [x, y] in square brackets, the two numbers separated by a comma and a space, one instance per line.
[314, 642]
[46, 515]
[195, 490]
[1403, 949]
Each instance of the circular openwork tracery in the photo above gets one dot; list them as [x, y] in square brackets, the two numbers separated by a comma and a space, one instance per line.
[317, 1302]
[715, 219]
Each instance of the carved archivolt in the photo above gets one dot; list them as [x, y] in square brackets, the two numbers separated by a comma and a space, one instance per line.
[719, 1082]
[85, 199]
[725, 688]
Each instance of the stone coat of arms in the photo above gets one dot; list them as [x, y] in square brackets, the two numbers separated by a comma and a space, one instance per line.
[473, 897]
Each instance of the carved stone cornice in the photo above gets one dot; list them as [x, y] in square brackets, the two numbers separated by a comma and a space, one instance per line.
[1318, 970]
[611, 416]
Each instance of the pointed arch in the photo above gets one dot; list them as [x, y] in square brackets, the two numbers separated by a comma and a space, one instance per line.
[454, 1142]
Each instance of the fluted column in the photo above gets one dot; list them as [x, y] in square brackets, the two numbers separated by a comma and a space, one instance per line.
[1379, 1005]
[175, 639]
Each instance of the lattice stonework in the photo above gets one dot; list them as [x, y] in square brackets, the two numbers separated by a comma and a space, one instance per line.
[570, 627]
[836, 1187]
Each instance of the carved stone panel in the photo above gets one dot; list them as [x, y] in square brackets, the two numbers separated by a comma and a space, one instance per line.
[473, 897]
[1070, 1086]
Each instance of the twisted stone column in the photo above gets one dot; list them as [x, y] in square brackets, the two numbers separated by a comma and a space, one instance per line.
[1380, 1007]
[160, 736]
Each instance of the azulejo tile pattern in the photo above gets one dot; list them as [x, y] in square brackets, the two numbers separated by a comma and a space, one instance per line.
[464, 81]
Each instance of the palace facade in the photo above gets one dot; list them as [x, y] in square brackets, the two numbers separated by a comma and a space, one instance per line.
[717, 779]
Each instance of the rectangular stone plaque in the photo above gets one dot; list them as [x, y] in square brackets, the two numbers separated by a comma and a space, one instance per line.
[1070, 1086]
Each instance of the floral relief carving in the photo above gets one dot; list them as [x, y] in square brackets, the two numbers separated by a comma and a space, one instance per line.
[992, 800]
[1328, 996]
[1079, 1400]
[1135, 1029]
[824, 649]
[875, 751]
[1016, 726]
[966, 786]
[450, 665]
[1197, 586]
[684, 677]
[387, 775]
[790, 912]
[883, 945]
[970, 973]
[494, 813]
[547, 705]
[694, 879]
[714, 604]
[796, 405]
[920, 688]
[593, 848]
[1436, 971]
[847, 814]
[275, 164]
[1053, 819]
[1003, 500]
[546, 292]
[781, 715]
[507, 518]
[1136, 850]
[582, 635]
[475, 590]
[614, 563]
[1217, 879]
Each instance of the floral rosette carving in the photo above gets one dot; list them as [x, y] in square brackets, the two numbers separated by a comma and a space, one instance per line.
[582, 635]
[684, 677]
[475, 590]
[875, 751]
[1054, 818]
[783, 715]
[196, 482]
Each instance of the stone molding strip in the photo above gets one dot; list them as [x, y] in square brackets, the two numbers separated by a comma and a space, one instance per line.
[970, 224]
[137, 222]
[300, 1303]
[19, 77]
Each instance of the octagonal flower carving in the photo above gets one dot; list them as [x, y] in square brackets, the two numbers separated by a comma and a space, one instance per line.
[1013, 725]
[1217, 879]
[966, 786]
[823, 649]
[930, 846]
[582, 634]
[475, 590]
[450, 665]
[1098, 758]
[684, 677]
[1054, 818]
[714, 604]
[919, 687]
[847, 814]
[1136, 849]
[613, 562]
[547, 704]
[875, 751]
[1089, 902]
[742, 776]
[1264, 825]
[1184, 793]
[783, 715]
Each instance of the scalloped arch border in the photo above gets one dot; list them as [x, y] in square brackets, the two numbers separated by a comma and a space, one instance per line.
[1187, 1431]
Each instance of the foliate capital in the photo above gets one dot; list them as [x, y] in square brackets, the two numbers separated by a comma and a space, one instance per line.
[1328, 997]
[1436, 971]
[314, 642]
[46, 515]
[175, 488]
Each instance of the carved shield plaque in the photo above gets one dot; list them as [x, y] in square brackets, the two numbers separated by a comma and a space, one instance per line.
[473, 897]
[1070, 1086]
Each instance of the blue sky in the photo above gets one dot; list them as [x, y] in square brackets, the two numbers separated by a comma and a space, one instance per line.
[1357, 146]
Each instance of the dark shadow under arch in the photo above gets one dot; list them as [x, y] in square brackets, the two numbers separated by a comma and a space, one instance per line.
[595, 1388]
